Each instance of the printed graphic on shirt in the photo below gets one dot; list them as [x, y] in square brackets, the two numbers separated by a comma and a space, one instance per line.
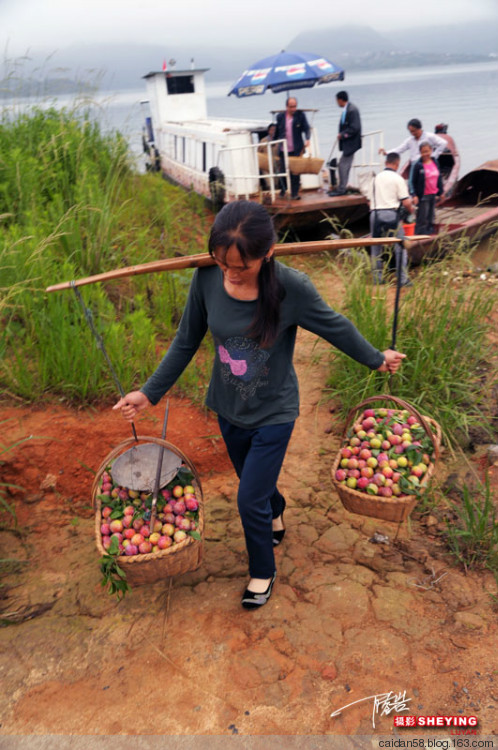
[243, 365]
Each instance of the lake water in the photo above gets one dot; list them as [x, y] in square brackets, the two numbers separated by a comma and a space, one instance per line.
[463, 96]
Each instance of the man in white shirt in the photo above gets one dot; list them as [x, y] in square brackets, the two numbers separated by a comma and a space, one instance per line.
[416, 137]
[389, 192]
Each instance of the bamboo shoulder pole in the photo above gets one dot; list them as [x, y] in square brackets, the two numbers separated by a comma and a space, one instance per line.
[204, 259]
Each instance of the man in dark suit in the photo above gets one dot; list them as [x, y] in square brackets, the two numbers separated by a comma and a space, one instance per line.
[291, 125]
[349, 139]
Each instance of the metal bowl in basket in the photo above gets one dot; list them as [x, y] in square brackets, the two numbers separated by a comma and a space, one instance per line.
[395, 509]
[181, 557]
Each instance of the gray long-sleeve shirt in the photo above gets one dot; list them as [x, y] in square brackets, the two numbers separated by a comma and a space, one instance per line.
[251, 386]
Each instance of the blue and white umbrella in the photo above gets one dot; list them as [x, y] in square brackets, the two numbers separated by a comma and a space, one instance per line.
[286, 71]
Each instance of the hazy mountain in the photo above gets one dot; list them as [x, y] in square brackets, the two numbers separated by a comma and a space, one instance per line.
[472, 38]
[117, 66]
[124, 65]
[346, 42]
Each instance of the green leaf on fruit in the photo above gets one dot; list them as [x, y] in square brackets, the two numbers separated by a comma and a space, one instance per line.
[404, 484]
[184, 476]
[113, 576]
[414, 454]
[407, 487]
[195, 535]
[114, 547]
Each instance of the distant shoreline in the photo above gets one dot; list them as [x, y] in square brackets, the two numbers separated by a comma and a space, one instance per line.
[28, 87]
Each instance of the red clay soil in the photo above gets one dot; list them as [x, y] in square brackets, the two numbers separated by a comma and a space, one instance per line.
[348, 618]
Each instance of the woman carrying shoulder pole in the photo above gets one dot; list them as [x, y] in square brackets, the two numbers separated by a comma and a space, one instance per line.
[252, 305]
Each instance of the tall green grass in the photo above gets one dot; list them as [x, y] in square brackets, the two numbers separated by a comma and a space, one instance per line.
[443, 329]
[71, 205]
[473, 539]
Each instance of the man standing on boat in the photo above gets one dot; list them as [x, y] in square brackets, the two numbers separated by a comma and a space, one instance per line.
[416, 137]
[291, 125]
[389, 192]
[349, 139]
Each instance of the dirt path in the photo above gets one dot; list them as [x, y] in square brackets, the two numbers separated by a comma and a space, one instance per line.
[348, 618]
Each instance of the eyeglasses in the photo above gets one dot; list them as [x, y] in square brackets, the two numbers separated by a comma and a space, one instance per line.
[225, 267]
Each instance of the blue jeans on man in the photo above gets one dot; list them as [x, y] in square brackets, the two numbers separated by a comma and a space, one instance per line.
[385, 222]
[295, 179]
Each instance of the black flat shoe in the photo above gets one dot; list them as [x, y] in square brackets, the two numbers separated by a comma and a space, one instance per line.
[252, 600]
[279, 535]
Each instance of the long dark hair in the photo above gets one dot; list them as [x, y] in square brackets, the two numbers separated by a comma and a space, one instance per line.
[249, 227]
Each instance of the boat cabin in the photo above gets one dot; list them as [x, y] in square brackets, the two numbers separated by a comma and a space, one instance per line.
[223, 158]
[191, 147]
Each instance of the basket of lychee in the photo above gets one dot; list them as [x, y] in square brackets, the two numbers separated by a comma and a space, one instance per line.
[142, 541]
[387, 458]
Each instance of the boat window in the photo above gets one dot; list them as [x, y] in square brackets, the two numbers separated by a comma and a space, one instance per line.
[180, 84]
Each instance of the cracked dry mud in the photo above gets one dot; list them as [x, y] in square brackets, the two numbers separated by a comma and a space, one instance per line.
[348, 618]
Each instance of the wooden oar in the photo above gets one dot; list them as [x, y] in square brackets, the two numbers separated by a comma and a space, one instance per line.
[204, 259]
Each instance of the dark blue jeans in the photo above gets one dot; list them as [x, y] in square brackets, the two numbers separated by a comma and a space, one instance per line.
[295, 179]
[425, 215]
[257, 455]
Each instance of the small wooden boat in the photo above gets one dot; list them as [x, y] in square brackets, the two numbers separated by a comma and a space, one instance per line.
[470, 214]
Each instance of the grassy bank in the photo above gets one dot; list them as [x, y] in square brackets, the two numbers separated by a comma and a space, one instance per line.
[443, 327]
[71, 205]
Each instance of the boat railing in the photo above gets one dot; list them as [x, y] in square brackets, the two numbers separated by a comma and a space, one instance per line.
[240, 184]
[368, 155]
[367, 161]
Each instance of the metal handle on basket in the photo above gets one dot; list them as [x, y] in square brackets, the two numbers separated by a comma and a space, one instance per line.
[131, 441]
[401, 402]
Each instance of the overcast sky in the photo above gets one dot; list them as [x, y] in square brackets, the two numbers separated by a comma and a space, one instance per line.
[51, 25]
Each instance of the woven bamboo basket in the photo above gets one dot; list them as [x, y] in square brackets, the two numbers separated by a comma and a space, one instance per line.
[179, 558]
[395, 509]
[264, 162]
[305, 164]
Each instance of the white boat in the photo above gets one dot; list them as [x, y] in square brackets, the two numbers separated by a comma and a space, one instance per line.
[218, 157]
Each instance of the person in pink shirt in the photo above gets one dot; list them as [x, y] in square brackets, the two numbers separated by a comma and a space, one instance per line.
[292, 126]
[426, 184]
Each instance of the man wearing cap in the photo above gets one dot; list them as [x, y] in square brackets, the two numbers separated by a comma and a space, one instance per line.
[349, 139]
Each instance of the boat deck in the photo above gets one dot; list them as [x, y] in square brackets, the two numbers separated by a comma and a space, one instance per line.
[453, 222]
[321, 206]
[457, 215]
